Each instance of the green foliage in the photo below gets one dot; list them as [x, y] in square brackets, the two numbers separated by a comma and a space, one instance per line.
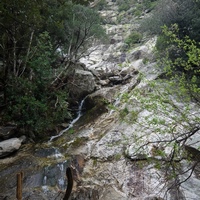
[31, 104]
[145, 6]
[133, 38]
[168, 108]
[123, 113]
[139, 7]
[118, 156]
[102, 4]
[145, 61]
[183, 65]
[82, 2]
[32, 78]
[73, 29]
[161, 43]
[123, 7]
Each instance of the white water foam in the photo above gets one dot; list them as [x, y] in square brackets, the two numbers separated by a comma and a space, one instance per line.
[79, 114]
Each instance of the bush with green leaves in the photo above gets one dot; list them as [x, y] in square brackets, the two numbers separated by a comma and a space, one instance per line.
[134, 38]
[181, 58]
[144, 6]
[102, 4]
[123, 7]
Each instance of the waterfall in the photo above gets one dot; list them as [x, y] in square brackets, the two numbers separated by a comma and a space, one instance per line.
[44, 182]
[61, 180]
[79, 114]
[55, 174]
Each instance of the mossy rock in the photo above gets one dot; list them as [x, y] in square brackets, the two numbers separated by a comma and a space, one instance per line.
[95, 106]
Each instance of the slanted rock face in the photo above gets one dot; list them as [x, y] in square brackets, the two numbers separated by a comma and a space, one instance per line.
[9, 146]
[108, 165]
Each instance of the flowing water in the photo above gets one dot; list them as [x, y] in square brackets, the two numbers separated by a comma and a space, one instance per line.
[55, 176]
[79, 114]
[61, 166]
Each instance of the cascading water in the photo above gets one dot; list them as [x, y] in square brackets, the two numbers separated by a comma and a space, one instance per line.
[44, 182]
[55, 175]
[61, 180]
[61, 166]
[79, 114]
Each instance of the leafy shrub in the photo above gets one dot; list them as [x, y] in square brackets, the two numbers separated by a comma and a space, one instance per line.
[161, 43]
[181, 59]
[102, 4]
[123, 7]
[133, 38]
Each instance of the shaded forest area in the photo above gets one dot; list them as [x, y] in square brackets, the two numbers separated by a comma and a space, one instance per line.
[39, 41]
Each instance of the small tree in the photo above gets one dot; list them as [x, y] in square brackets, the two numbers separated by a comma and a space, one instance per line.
[133, 38]
[74, 29]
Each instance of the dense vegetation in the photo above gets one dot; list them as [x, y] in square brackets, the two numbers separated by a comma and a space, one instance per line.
[39, 40]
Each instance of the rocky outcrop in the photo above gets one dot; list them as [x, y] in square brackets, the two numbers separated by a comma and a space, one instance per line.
[82, 84]
[9, 146]
[80, 81]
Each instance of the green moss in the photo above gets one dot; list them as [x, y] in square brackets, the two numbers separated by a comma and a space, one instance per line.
[79, 141]
[118, 156]
[145, 61]
[94, 162]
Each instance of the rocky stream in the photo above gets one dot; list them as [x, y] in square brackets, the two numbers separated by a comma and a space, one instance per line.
[97, 144]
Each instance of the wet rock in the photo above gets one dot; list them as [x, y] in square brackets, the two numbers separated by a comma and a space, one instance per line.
[112, 41]
[192, 152]
[102, 96]
[9, 146]
[23, 139]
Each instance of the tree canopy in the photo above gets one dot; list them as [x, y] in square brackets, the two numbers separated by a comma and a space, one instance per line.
[38, 41]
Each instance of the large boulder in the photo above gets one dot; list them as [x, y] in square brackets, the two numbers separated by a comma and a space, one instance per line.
[80, 82]
[83, 83]
[9, 146]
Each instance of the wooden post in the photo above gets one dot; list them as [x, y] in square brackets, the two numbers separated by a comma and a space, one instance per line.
[19, 186]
